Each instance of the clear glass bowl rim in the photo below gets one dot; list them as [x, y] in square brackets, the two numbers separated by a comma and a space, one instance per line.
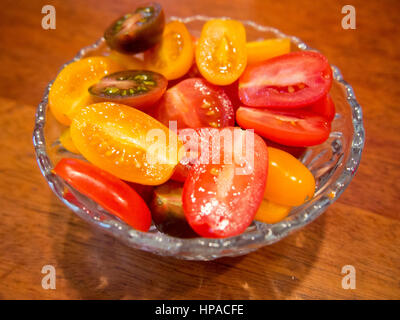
[205, 248]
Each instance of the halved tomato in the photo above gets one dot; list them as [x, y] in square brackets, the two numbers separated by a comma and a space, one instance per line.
[293, 80]
[218, 201]
[221, 51]
[135, 88]
[174, 55]
[300, 128]
[126, 142]
[195, 103]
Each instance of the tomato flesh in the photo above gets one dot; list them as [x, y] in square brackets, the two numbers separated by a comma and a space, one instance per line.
[110, 192]
[221, 51]
[298, 128]
[293, 80]
[173, 56]
[135, 88]
[119, 139]
[217, 201]
[195, 103]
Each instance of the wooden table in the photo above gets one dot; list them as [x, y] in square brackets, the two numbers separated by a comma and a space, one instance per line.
[362, 229]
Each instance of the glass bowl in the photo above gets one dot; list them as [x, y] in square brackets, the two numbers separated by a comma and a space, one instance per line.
[333, 164]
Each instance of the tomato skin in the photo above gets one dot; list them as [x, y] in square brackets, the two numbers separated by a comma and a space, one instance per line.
[173, 56]
[293, 80]
[289, 182]
[324, 107]
[298, 128]
[110, 192]
[137, 31]
[195, 103]
[66, 141]
[167, 212]
[258, 51]
[221, 51]
[116, 138]
[211, 200]
[270, 212]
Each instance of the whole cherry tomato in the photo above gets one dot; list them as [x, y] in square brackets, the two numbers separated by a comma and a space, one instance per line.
[107, 190]
[258, 51]
[289, 182]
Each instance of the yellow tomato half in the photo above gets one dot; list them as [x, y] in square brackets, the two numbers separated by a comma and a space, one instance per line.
[126, 142]
[289, 182]
[70, 89]
[173, 56]
[258, 51]
[221, 51]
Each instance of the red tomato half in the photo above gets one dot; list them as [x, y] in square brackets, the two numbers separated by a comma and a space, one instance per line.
[324, 107]
[299, 128]
[195, 103]
[107, 190]
[217, 201]
[293, 80]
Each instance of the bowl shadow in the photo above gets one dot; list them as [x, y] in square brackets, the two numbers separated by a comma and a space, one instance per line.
[98, 266]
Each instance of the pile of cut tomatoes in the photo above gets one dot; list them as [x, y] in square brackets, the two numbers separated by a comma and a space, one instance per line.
[136, 114]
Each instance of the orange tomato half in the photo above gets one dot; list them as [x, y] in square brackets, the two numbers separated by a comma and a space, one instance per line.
[126, 142]
[70, 89]
[221, 51]
[289, 182]
[258, 51]
[174, 55]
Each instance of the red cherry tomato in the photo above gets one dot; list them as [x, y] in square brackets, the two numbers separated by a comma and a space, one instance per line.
[217, 201]
[324, 107]
[195, 103]
[107, 190]
[293, 80]
[299, 128]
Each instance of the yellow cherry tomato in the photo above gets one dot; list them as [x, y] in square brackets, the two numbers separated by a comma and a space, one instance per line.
[129, 62]
[258, 51]
[126, 142]
[70, 89]
[289, 182]
[66, 141]
[221, 51]
[270, 212]
[174, 55]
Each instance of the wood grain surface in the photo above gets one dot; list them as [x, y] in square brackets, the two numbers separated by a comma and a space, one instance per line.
[361, 229]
